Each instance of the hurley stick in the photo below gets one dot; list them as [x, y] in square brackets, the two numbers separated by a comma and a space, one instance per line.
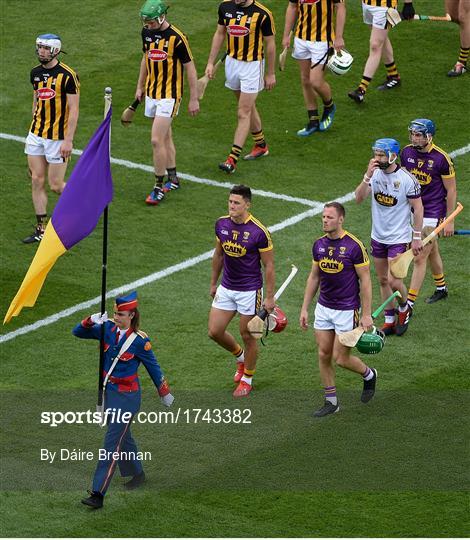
[128, 114]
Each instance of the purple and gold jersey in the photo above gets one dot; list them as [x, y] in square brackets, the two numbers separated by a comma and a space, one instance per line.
[431, 169]
[337, 261]
[242, 244]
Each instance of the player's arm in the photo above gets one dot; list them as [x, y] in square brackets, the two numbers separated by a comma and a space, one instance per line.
[217, 265]
[340, 9]
[139, 92]
[35, 100]
[270, 48]
[311, 287]
[363, 273]
[217, 40]
[291, 16]
[267, 258]
[450, 186]
[363, 189]
[418, 213]
[73, 101]
[191, 74]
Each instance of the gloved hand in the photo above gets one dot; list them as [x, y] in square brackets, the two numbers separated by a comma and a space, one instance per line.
[408, 11]
[97, 318]
[165, 396]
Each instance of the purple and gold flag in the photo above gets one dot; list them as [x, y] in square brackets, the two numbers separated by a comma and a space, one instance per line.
[86, 194]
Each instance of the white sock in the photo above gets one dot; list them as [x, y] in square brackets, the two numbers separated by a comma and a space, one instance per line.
[241, 357]
[333, 400]
[246, 379]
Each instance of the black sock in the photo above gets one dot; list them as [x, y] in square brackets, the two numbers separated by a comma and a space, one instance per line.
[41, 220]
[159, 181]
[313, 117]
[172, 173]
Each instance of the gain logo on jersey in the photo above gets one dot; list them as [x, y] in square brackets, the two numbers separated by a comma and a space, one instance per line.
[233, 249]
[330, 266]
[157, 55]
[45, 93]
[423, 177]
[385, 200]
[235, 30]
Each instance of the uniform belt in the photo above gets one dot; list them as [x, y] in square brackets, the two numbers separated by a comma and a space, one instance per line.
[122, 381]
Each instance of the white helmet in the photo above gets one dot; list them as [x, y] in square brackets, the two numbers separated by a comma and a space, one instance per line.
[51, 41]
[340, 62]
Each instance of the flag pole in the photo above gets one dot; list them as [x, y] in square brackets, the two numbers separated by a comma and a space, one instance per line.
[108, 97]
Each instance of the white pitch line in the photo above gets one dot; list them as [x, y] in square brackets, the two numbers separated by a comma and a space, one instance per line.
[189, 177]
[188, 263]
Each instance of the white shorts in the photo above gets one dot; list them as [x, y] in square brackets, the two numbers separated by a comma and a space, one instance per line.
[315, 51]
[245, 302]
[430, 222]
[247, 77]
[376, 16]
[334, 319]
[167, 108]
[38, 146]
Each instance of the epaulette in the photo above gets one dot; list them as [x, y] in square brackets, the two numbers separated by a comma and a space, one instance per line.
[142, 334]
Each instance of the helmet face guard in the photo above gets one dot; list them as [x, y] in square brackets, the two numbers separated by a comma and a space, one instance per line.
[51, 42]
[277, 320]
[388, 147]
[424, 127]
[371, 343]
[340, 62]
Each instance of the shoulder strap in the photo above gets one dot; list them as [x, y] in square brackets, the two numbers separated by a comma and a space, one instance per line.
[130, 339]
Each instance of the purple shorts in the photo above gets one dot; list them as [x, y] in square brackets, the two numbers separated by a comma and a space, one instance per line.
[386, 251]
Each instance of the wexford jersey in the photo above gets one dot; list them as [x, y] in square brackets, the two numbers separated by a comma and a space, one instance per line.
[337, 261]
[51, 86]
[242, 244]
[315, 19]
[246, 28]
[391, 212]
[165, 52]
[431, 169]
[381, 3]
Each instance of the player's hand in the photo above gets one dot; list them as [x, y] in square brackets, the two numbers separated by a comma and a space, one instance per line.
[448, 229]
[303, 319]
[213, 290]
[417, 246]
[66, 149]
[98, 318]
[210, 71]
[338, 43]
[167, 400]
[193, 106]
[408, 11]
[270, 82]
[268, 303]
[165, 395]
[139, 94]
[286, 42]
[366, 323]
[373, 164]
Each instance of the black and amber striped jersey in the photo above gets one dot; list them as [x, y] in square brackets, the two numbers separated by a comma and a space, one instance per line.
[315, 21]
[166, 51]
[381, 3]
[246, 29]
[51, 86]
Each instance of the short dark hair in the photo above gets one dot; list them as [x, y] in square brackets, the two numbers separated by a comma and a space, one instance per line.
[241, 189]
[339, 207]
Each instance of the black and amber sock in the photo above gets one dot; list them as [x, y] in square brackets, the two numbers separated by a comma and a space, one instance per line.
[248, 375]
[412, 296]
[364, 84]
[463, 56]
[258, 137]
[313, 117]
[439, 281]
[172, 173]
[392, 70]
[239, 354]
[159, 181]
[235, 152]
[328, 105]
[41, 220]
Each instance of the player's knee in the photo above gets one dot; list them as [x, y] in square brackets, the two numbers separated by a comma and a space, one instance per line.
[324, 356]
[375, 47]
[157, 141]
[383, 281]
[342, 360]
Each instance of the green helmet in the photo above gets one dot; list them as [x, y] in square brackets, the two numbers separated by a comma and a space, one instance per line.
[153, 9]
[371, 343]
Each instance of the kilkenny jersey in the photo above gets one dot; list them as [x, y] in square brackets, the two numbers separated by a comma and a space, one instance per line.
[246, 28]
[391, 212]
[381, 3]
[51, 86]
[431, 169]
[315, 19]
[337, 261]
[165, 53]
[242, 244]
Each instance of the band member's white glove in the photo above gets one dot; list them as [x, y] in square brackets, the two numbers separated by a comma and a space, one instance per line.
[167, 400]
[97, 318]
